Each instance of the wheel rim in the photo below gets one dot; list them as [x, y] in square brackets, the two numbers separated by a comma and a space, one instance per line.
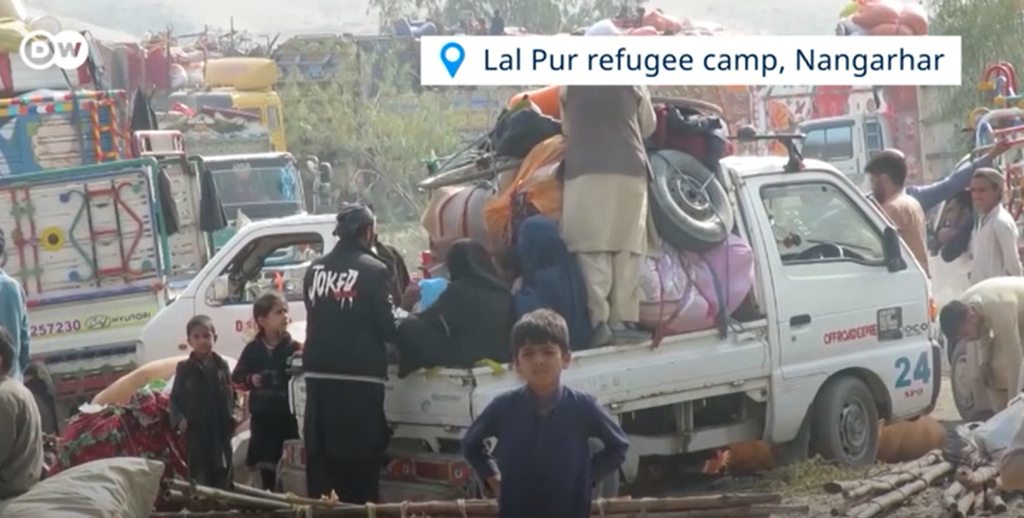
[691, 196]
[853, 428]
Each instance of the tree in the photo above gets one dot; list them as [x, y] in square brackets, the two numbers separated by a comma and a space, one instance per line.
[990, 31]
[376, 143]
[536, 16]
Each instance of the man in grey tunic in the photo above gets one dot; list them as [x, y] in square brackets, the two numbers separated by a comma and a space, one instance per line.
[604, 207]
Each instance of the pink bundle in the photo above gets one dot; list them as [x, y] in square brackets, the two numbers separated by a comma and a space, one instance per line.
[891, 18]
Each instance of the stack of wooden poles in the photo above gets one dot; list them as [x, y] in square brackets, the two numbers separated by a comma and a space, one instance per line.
[248, 502]
[972, 490]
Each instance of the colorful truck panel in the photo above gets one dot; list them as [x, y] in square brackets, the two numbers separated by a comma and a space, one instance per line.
[61, 130]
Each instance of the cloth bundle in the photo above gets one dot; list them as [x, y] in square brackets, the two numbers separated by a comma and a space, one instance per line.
[883, 18]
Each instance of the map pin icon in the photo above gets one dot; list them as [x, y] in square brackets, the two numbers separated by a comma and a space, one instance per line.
[447, 52]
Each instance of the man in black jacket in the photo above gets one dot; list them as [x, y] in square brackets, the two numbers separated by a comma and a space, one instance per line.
[349, 318]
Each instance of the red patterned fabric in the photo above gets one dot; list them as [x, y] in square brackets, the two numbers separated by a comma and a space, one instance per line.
[142, 428]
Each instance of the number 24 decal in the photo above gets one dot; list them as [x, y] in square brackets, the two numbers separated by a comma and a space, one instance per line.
[922, 371]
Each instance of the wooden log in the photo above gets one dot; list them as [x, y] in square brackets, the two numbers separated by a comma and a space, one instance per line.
[995, 502]
[899, 495]
[287, 498]
[928, 459]
[225, 497]
[842, 486]
[979, 501]
[985, 476]
[951, 495]
[692, 507]
[963, 505]
[884, 483]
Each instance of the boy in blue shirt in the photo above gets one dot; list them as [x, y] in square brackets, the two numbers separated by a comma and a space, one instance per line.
[542, 466]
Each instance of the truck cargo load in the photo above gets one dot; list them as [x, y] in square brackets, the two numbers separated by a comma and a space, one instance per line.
[241, 73]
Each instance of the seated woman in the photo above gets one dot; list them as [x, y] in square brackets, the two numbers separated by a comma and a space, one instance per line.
[470, 321]
[551, 278]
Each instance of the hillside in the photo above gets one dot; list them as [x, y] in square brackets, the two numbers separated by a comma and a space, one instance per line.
[269, 17]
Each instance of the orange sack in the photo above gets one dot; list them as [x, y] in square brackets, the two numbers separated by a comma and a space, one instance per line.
[662, 22]
[547, 100]
[915, 17]
[536, 184]
[877, 13]
[891, 29]
[643, 31]
[456, 212]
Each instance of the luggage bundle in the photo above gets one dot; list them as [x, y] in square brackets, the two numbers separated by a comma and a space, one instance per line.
[883, 18]
[703, 271]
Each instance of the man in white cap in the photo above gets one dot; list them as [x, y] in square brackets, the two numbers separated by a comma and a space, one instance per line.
[994, 243]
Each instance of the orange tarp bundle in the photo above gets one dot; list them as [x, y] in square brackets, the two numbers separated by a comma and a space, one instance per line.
[536, 184]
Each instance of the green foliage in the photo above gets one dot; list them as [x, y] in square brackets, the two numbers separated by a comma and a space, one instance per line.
[536, 16]
[376, 143]
[990, 31]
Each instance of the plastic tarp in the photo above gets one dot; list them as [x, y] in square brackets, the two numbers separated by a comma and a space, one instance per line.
[995, 435]
[116, 487]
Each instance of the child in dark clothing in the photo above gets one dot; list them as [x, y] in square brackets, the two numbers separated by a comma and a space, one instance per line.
[262, 370]
[542, 466]
[203, 407]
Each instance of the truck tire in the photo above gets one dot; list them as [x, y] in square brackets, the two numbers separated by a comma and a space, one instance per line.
[689, 206]
[844, 423]
[969, 394]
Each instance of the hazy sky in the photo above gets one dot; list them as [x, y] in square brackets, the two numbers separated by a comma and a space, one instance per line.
[271, 16]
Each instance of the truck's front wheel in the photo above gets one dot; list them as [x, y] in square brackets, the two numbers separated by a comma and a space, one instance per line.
[844, 423]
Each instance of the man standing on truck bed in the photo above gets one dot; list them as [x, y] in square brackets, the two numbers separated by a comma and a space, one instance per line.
[991, 313]
[348, 320]
[14, 315]
[604, 217]
[888, 173]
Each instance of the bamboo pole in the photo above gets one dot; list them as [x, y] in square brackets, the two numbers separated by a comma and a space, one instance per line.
[951, 495]
[898, 495]
[994, 502]
[720, 506]
[963, 505]
[984, 476]
[222, 496]
[287, 497]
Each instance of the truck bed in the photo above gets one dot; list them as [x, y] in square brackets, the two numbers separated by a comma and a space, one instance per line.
[624, 378]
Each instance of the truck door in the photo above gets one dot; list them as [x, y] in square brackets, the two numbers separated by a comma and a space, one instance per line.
[837, 304]
[834, 140]
[228, 299]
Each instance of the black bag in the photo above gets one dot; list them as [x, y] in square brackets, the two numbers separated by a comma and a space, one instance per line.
[518, 132]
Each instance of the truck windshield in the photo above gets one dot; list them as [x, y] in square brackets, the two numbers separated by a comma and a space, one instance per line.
[258, 191]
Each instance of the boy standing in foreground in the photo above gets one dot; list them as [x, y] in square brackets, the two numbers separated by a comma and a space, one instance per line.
[542, 466]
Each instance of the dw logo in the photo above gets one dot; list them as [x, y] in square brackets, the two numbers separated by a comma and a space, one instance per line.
[41, 50]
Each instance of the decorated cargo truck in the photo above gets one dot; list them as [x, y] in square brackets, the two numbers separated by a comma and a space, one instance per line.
[98, 249]
[85, 245]
[56, 130]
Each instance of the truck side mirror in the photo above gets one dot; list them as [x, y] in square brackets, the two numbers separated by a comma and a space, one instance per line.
[219, 291]
[891, 250]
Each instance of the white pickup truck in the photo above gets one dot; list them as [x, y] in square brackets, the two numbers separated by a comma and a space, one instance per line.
[842, 339]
